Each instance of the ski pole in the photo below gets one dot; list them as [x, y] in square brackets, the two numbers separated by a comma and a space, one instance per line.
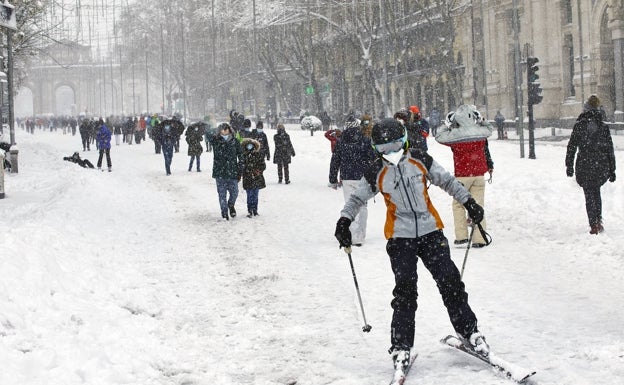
[366, 328]
[472, 226]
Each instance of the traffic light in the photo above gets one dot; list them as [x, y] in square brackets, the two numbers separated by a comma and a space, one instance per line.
[533, 86]
[7, 16]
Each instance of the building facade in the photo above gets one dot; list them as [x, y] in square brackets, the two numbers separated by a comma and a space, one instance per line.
[579, 44]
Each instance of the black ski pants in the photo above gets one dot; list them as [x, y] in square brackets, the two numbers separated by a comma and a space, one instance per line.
[433, 250]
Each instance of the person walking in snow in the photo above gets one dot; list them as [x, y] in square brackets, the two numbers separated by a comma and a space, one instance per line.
[194, 137]
[85, 134]
[259, 135]
[499, 119]
[252, 165]
[417, 128]
[167, 136]
[351, 158]
[283, 153]
[227, 154]
[414, 230]
[595, 162]
[466, 134]
[103, 138]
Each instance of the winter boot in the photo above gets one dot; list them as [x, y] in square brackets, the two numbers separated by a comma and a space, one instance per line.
[249, 214]
[232, 211]
[596, 229]
[224, 215]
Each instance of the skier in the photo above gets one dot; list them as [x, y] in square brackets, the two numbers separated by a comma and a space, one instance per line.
[413, 229]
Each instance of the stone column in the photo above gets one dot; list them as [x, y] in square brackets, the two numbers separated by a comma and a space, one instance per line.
[616, 25]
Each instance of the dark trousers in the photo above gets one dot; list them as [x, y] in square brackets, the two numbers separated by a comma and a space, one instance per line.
[225, 186]
[593, 204]
[252, 200]
[167, 151]
[85, 142]
[284, 173]
[191, 162]
[108, 158]
[434, 251]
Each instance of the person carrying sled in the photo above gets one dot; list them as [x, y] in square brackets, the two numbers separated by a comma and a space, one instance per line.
[414, 230]
[466, 133]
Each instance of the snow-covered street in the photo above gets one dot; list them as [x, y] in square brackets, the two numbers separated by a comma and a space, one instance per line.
[132, 277]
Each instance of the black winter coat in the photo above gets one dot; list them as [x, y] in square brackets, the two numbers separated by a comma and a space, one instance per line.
[264, 143]
[283, 147]
[252, 164]
[596, 158]
[227, 155]
[194, 137]
[352, 156]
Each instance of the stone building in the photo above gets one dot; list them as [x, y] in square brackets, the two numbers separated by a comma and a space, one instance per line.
[579, 44]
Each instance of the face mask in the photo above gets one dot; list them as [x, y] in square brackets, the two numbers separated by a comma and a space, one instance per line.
[250, 147]
[259, 130]
[225, 137]
[394, 157]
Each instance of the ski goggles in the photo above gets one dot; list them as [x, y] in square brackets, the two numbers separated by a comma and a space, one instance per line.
[390, 147]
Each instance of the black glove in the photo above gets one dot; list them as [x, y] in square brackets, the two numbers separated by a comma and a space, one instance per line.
[570, 171]
[612, 177]
[475, 212]
[343, 234]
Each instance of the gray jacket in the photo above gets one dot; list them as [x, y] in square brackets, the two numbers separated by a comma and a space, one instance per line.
[410, 212]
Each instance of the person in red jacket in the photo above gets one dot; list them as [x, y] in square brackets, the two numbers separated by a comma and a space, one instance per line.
[465, 132]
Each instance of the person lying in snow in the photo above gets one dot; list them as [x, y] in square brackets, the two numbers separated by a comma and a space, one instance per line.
[75, 158]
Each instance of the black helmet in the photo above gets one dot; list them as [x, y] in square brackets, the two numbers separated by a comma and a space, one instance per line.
[387, 130]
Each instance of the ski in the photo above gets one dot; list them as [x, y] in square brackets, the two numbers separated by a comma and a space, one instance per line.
[506, 369]
[399, 376]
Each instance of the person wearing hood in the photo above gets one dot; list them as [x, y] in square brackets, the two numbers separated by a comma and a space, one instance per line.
[252, 165]
[283, 153]
[352, 156]
[595, 162]
[227, 153]
[259, 135]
